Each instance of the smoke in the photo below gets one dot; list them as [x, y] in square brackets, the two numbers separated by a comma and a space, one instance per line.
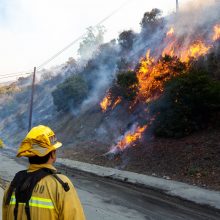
[194, 20]
[196, 4]
[196, 17]
[99, 73]
[14, 105]
[104, 77]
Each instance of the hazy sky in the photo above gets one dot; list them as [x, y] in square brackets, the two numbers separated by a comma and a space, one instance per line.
[33, 30]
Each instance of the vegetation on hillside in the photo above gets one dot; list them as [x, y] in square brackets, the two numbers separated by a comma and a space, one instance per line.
[70, 94]
[131, 74]
[8, 89]
[181, 96]
[128, 82]
[190, 103]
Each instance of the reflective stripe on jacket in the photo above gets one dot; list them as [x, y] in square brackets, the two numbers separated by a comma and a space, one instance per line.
[49, 200]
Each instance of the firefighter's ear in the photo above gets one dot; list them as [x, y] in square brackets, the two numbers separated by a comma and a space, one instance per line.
[53, 155]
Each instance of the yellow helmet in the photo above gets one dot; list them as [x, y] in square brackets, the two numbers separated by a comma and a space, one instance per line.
[40, 141]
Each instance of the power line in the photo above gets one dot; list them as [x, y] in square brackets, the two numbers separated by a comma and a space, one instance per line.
[10, 75]
[16, 75]
[58, 53]
[81, 36]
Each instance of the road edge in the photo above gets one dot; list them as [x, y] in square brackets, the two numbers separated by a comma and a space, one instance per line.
[172, 188]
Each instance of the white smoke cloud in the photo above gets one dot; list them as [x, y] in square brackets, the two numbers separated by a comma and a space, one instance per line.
[32, 31]
[195, 15]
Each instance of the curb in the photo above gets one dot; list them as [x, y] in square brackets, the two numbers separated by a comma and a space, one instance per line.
[172, 188]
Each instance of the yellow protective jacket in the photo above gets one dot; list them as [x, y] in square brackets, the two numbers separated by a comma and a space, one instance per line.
[49, 200]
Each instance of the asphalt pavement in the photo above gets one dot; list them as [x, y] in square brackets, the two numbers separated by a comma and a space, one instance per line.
[166, 185]
[106, 199]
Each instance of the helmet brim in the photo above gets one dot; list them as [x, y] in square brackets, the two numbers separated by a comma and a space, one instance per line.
[57, 145]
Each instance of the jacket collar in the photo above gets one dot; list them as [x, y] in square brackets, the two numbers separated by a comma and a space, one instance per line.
[34, 167]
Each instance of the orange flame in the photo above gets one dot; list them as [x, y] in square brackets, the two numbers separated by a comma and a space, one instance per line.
[153, 74]
[216, 35]
[170, 42]
[106, 102]
[171, 32]
[130, 137]
[117, 101]
[197, 49]
[169, 50]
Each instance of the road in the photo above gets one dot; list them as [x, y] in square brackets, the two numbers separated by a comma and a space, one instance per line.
[105, 199]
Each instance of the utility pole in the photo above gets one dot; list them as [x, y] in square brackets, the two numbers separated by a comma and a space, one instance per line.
[32, 98]
[177, 6]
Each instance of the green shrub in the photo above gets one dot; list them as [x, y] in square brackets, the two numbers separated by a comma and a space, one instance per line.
[193, 170]
[70, 94]
[189, 103]
[128, 82]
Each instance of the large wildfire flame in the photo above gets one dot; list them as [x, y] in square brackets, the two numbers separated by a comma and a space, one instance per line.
[194, 49]
[153, 72]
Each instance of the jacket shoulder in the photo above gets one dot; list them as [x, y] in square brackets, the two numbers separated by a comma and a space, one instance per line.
[51, 179]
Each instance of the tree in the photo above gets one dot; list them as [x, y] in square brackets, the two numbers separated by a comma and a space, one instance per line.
[71, 61]
[211, 62]
[126, 40]
[151, 20]
[128, 84]
[70, 94]
[92, 40]
[47, 75]
[190, 102]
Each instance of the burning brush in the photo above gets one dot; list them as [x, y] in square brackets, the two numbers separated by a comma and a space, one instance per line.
[108, 102]
[154, 71]
[127, 140]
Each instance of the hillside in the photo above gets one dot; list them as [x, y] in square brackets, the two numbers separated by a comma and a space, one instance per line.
[193, 159]
[147, 102]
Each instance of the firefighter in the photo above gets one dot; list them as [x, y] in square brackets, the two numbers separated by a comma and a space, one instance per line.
[40, 192]
[1, 143]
